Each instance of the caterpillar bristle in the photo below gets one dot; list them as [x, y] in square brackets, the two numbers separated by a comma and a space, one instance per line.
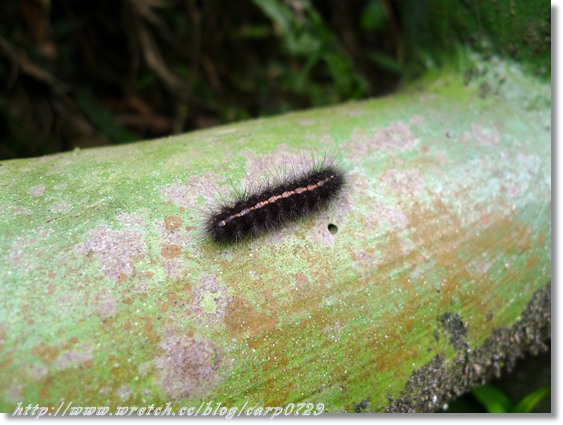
[263, 209]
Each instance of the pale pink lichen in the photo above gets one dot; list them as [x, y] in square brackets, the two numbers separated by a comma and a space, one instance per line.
[209, 300]
[38, 190]
[188, 366]
[115, 250]
[403, 182]
[486, 135]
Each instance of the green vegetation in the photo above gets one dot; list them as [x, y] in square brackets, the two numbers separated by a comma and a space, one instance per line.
[86, 74]
[493, 400]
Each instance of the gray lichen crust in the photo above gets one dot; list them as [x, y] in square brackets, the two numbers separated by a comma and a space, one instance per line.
[441, 380]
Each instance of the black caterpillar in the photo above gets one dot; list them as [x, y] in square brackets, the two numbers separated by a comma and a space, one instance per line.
[273, 205]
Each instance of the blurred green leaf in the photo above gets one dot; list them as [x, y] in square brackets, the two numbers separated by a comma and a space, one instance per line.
[528, 403]
[384, 61]
[373, 17]
[316, 53]
[494, 400]
[256, 31]
[278, 13]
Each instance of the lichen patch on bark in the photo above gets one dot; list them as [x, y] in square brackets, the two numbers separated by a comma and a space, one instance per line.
[188, 366]
[115, 250]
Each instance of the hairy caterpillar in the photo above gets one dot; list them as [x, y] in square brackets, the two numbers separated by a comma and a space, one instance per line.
[274, 204]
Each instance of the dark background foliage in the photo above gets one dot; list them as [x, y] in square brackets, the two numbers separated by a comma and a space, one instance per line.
[79, 74]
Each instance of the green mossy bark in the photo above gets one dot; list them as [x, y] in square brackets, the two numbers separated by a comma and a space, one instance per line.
[111, 294]
[432, 32]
